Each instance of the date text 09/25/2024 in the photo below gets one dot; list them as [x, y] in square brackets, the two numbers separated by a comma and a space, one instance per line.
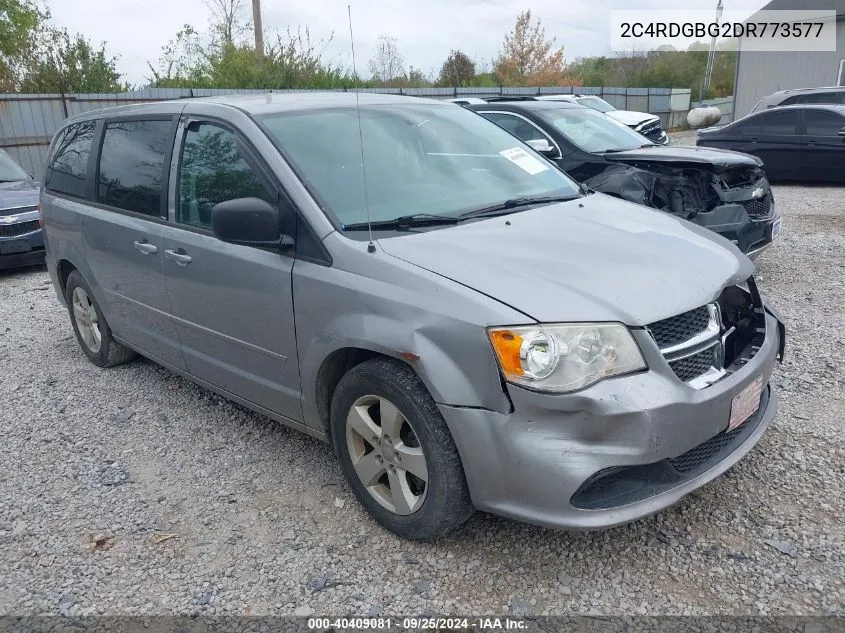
[416, 624]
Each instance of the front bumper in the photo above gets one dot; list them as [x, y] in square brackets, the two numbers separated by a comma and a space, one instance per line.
[750, 234]
[22, 250]
[538, 463]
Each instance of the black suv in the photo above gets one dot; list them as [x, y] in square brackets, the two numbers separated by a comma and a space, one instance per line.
[725, 191]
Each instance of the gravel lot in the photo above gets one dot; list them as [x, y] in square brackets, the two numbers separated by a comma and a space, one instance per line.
[130, 491]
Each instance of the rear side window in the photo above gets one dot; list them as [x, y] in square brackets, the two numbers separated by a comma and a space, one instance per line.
[132, 164]
[824, 97]
[821, 123]
[213, 169]
[68, 169]
[520, 128]
[773, 122]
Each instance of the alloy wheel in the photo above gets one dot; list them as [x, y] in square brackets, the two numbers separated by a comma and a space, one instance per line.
[87, 322]
[386, 454]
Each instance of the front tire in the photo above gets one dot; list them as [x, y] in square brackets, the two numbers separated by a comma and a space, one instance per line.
[397, 453]
[90, 326]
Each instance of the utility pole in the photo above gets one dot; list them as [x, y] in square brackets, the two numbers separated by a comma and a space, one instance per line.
[711, 55]
[259, 32]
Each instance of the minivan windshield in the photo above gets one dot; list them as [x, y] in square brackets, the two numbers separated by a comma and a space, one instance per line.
[420, 160]
[593, 131]
[595, 103]
[10, 171]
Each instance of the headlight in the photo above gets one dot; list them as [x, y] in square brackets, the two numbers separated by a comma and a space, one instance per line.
[564, 357]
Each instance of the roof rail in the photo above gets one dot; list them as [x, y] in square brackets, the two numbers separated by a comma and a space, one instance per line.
[509, 98]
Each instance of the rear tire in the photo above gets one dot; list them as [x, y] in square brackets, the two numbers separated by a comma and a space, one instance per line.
[90, 326]
[397, 453]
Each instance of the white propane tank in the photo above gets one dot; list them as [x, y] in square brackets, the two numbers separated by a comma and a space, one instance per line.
[704, 116]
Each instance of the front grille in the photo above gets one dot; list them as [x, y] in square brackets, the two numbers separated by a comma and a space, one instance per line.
[693, 366]
[651, 128]
[695, 457]
[680, 328]
[759, 207]
[703, 345]
[21, 228]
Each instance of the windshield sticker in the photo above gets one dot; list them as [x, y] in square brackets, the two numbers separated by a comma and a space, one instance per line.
[524, 160]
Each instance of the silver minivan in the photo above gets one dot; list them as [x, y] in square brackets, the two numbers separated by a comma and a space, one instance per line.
[400, 277]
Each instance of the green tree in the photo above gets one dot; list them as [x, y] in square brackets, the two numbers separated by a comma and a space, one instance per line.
[457, 70]
[663, 68]
[35, 56]
[291, 61]
[21, 22]
[69, 63]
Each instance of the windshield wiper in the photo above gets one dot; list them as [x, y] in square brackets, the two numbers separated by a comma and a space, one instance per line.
[614, 150]
[514, 204]
[402, 223]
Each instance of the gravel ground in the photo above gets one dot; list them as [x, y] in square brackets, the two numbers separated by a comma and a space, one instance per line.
[131, 491]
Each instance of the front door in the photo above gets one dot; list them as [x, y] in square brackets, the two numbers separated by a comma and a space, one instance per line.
[774, 136]
[232, 304]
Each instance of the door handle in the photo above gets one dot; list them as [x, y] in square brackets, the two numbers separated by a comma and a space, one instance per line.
[181, 258]
[145, 247]
[754, 140]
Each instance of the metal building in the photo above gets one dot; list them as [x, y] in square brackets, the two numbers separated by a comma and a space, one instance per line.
[759, 74]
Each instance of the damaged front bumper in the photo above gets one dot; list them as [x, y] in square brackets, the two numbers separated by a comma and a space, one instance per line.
[618, 451]
[752, 234]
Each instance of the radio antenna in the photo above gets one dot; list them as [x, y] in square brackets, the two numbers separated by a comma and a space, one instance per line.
[371, 247]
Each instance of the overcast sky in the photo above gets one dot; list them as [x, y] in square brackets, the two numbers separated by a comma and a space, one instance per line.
[136, 30]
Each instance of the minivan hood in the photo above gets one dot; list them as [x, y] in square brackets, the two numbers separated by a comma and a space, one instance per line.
[678, 154]
[629, 117]
[593, 259]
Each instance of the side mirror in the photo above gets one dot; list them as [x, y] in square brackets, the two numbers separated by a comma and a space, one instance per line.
[541, 145]
[249, 221]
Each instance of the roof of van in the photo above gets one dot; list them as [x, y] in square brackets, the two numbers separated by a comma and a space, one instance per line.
[267, 103]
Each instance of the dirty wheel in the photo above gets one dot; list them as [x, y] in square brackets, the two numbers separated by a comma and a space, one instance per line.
[396, 451]
[91, 329]
[386, 454]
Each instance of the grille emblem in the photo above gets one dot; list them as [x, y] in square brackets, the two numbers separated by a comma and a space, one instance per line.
[8, 219]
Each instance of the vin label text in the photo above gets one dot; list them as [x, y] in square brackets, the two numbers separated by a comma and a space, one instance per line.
[810, 30]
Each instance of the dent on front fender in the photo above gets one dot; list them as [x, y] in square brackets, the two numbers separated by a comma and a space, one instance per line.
[393, 312]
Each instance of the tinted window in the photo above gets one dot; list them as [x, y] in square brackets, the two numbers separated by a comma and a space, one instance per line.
[779, 123]
[68, 168]
[820, 123]
[132, 164]
[213, 170]
[824, 97]
[520, 128]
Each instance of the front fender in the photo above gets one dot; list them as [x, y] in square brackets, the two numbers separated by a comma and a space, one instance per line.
[420, 320]
[459, 371]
